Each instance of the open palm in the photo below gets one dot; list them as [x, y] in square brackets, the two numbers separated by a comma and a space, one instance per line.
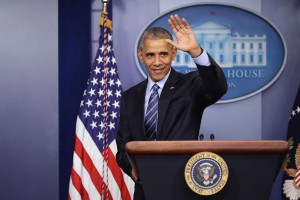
[185, 38]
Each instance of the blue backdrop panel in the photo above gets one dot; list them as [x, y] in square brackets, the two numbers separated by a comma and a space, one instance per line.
[74, 64]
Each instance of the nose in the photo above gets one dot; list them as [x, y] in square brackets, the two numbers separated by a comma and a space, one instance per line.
[157, 60]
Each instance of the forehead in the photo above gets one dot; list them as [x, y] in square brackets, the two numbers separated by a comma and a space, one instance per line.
[155, 45]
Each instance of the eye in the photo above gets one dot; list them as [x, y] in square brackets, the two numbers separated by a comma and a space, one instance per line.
[149, 55]
[164, 54]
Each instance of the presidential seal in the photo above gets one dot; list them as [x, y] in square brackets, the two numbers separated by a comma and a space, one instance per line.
[206, 173]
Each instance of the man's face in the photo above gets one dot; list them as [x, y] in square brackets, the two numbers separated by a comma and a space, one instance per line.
[157, 56]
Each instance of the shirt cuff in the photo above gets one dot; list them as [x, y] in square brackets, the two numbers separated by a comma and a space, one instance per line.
[202, 59]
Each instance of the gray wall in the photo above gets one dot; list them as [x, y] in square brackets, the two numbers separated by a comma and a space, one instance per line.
[29, 99]
[277, 101]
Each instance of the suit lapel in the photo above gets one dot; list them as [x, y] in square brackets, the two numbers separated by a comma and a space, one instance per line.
[140, 99]
[165, 98]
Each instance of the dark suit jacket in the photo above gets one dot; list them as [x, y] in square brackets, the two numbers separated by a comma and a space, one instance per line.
[181, 104]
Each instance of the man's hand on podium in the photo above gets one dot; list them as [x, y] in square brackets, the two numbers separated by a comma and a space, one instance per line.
[134, 175]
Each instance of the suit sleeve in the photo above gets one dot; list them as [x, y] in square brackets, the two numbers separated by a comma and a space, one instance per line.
[121, 139]
[212, 83]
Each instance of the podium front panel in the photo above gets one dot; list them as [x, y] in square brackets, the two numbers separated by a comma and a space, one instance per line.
[250, 177]
[252, 166]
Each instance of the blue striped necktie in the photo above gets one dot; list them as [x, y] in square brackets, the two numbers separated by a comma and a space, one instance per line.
[151, 114]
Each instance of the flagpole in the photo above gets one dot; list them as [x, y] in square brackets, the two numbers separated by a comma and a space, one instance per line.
[105, 142]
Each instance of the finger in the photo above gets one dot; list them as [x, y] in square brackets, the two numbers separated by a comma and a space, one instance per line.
[134, 175]
[174, 29]
[174, 44]
[172, 26]
[135, 178]
[175, 22]
[186, 24]
[182, 24]
[179, 22]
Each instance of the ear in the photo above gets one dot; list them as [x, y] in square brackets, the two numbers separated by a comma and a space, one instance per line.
[140, 55]
[174, 53]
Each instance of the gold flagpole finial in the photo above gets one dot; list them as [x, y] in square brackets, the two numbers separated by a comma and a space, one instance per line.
[108, 23]
[104, 8]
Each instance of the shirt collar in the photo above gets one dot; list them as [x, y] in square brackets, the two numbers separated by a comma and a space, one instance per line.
[160, 83]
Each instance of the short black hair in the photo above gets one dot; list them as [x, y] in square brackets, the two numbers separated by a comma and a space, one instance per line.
[155, 33]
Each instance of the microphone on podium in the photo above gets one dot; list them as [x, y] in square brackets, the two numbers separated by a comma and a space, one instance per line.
[212, 137]
[201, 137]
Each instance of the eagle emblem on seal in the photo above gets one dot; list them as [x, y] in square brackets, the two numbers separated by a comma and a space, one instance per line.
[206, 173]
[291, 188]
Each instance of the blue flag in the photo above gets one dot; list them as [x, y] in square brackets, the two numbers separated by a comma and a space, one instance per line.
[291, 177]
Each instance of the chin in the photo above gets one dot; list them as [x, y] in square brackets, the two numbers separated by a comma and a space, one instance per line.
[157, 78]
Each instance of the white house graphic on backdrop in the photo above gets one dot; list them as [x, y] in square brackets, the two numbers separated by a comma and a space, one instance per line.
[227, 48]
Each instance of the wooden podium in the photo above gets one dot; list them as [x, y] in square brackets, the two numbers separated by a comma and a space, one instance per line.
[252, 165]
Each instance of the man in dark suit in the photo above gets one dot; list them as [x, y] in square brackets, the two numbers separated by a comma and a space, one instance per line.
[181, 98]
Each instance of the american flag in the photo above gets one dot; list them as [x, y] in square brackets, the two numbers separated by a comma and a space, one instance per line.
[95, 173]
[291, 166]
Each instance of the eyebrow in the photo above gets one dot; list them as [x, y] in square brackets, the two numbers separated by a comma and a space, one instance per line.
[164, 52]
[152, 53]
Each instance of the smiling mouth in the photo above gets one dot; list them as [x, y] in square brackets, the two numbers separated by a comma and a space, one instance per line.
[157, 71]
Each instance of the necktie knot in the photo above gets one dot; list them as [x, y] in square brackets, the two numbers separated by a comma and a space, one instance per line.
[155, 88]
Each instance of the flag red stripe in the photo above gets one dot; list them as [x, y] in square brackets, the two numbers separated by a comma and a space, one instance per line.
[118, 175]
[78, 185]
[89, 166]
[297, 178]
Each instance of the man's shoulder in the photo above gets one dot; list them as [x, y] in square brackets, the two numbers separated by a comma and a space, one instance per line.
[183, 76]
